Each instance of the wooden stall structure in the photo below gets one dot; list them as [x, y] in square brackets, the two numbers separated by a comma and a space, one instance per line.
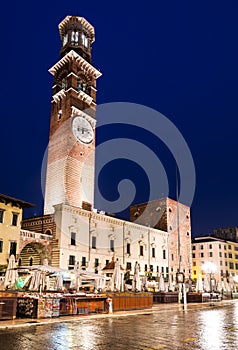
[45, 306]
[41, 307]
[83, 305]
[165, 297]
[131, 301]
[8, 305]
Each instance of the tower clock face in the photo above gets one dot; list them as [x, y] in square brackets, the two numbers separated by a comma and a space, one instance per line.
[82, 130]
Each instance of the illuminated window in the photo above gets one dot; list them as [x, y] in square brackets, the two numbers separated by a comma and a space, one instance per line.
[76, 41]
[65, 39]
[128, 266]
[72, 37]
[84, 40]
[64, 84]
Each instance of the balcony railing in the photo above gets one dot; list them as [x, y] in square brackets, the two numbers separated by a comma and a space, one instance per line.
[34, 235]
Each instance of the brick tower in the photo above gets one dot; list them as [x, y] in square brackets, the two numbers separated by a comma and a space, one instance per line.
[71, 149]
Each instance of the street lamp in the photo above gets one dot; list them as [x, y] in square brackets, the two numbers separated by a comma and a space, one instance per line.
[210, 268]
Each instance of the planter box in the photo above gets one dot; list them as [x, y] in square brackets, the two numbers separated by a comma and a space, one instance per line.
[8, 305]
[165, 297]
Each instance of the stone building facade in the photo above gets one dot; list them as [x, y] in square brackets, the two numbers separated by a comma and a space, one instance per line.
[10, 225]
[174, 218]
[221, 253]
[228, 233]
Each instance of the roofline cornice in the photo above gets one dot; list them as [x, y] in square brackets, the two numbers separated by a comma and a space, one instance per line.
[85, 65]
[82, 20]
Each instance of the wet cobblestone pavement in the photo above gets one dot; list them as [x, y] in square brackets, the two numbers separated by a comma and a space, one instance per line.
[167, 327]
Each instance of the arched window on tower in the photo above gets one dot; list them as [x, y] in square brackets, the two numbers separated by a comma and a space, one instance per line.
[64, 84]
[84, 40]
[73, 37]
[83, 86]
[76, 38]
[79, 85]
[65, 39]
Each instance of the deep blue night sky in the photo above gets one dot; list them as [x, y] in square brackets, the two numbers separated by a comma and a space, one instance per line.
[177, 57]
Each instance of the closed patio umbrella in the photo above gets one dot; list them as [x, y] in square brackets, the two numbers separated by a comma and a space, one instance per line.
[161, 283]
[137, 281]
[117, 276]
[11, 275]
[199, 285]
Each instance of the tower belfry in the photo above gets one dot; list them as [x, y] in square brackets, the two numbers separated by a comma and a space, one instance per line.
[71, 149]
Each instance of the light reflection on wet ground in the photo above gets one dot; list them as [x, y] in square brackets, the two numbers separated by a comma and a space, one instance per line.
[201, 329]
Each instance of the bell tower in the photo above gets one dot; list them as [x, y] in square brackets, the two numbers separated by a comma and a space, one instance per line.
[71, 148]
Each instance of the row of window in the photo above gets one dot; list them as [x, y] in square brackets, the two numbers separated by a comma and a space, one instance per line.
[14, 219]
[211, 247]
[210, 254]
[72, 263]
[111, 246]
[75, 39]
[81, 85]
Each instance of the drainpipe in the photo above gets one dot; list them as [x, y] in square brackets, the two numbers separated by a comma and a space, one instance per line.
[123, 243]
[89, 238]
[149, 249]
